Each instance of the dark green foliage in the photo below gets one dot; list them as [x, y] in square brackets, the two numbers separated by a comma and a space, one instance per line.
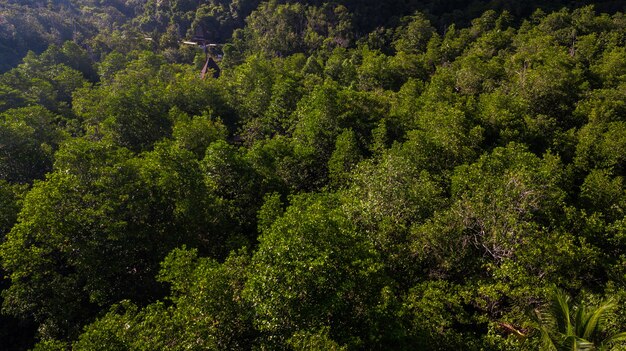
[94, 232]
[29, 136]
[10, 205]
[206, 312]
[231, 178]
[362, 175]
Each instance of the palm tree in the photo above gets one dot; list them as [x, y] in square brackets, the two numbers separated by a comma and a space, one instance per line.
[565, 326]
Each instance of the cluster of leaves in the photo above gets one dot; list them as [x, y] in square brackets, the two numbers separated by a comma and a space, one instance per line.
[407, 188]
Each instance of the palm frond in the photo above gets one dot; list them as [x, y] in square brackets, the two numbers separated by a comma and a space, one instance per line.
[614, 338]
[580, 319]
[560, 308]
[574, 343]
[567, 327]
[595, 317]
[547, 342]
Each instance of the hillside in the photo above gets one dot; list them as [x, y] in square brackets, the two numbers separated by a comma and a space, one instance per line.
[359, 175]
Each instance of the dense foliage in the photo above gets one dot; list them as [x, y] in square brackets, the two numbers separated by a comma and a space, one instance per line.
[363, 175]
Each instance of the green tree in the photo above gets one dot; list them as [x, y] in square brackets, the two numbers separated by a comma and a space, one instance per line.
[601, 145]
[315, 269]
[565, 326]
[10, 203]
[414, 36]
[314, 340]
[250, 86]
[197, 133]
[71, 55]
[278, 29]
[544, 74]
[28, 138]
[344, 159]
[202, 291]
[95, 230]
[385, 197]
[130, 110]
[230, 177]
[504, 236]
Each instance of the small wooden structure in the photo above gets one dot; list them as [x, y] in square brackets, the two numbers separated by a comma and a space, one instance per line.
[210, 63]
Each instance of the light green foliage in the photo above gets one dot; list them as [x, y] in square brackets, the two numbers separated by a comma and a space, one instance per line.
[265, 93]
[385, 199]
[196, 97]
[312, 269]
[602, 193]
[271, 210]
[340, 67]
[252, 87]
[238, 188]
[477, 74]
[210, 294]
[45, 80]
[414, 37]
[603, 105]
[601, 145]
[393, 191]
[441, 139]
[344, 158]
[52, 345]
[285, 96]
[132, 107]
[611, 68]
[504, 196]
[377, 71]
[129, 110]
[503, 117]
[285, 168]
[314, 340]
[11, 97]
[276, 29]
[110, 65]
[38, 252]
[197, 133]
[320, 118]
[71, 55]
[543, 74]
[329, 109]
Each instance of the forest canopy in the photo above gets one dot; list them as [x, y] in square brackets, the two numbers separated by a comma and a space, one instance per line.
[356, 175]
